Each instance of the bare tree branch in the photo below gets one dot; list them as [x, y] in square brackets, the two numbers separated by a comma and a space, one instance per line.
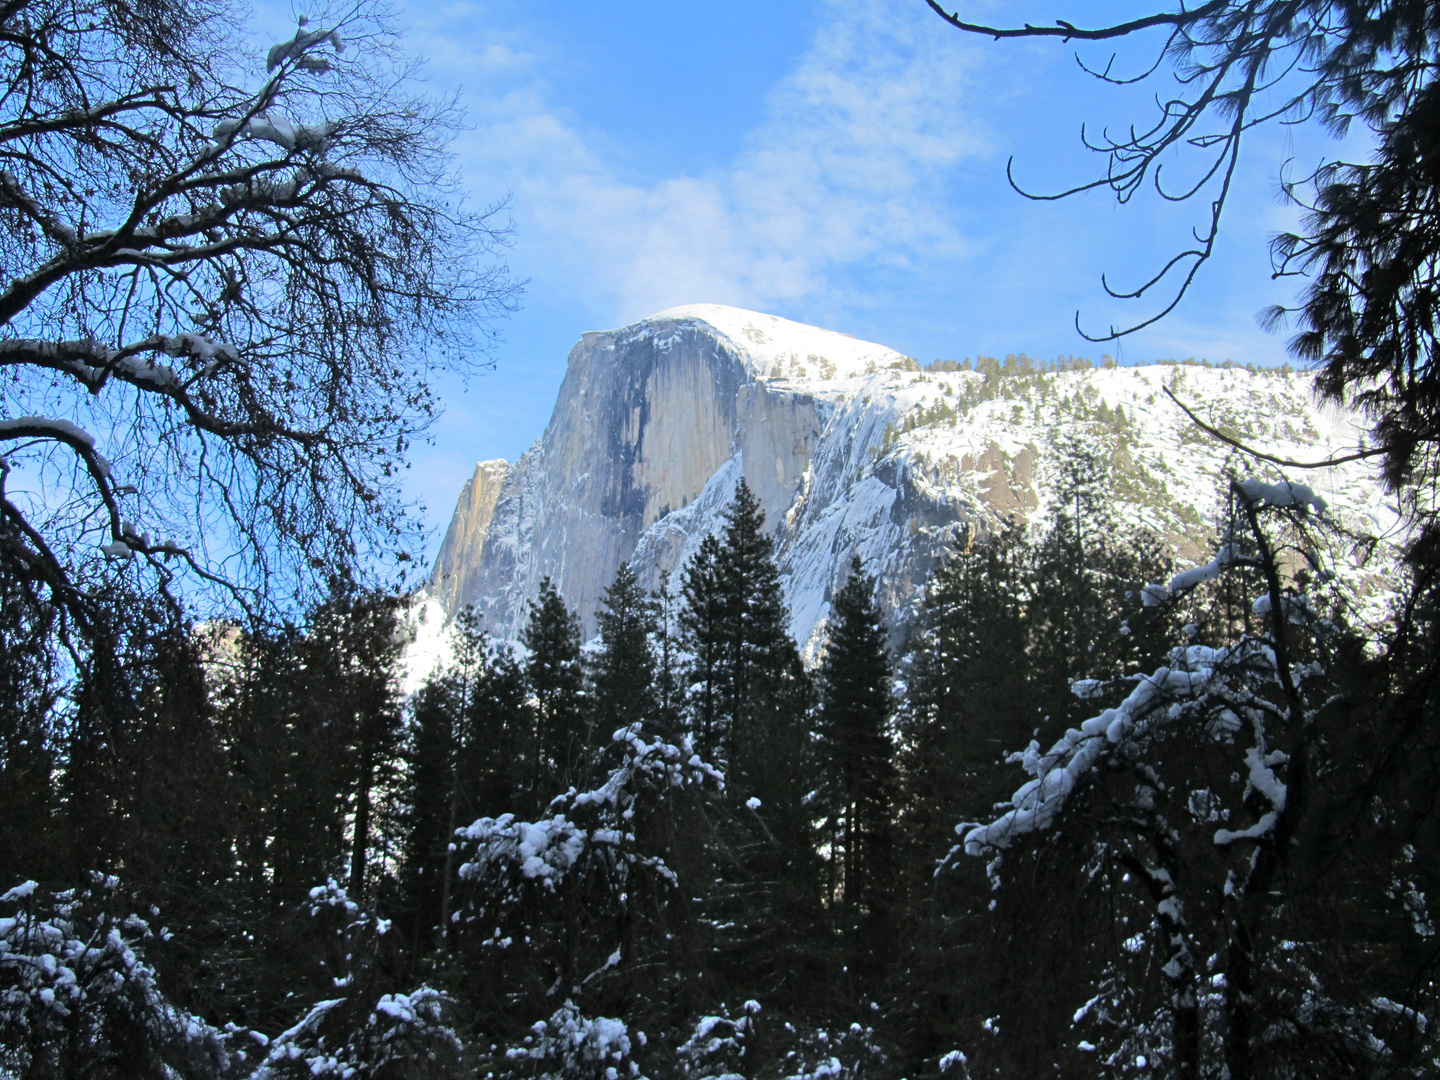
[1289, 463]
[1240, 64]
[1068, 31]
[236, 289]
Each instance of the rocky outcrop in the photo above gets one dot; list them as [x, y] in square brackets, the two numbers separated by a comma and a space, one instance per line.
[646, 419]
[851, 449]
[462, 550]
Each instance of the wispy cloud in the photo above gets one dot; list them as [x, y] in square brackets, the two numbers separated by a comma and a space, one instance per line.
[852, 164]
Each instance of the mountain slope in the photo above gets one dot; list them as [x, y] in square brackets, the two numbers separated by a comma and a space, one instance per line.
[851, 449]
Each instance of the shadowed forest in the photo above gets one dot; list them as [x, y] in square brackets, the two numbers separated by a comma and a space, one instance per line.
[1101, 815]
[679, 852]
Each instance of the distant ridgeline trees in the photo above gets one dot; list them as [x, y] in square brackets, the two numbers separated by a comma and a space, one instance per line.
[677, 851]
[1043, 392]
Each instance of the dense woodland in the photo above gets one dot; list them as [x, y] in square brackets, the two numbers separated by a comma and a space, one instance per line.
[1099, 816]
[678, 852]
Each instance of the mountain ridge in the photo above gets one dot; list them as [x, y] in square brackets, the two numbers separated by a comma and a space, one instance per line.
[852, 449]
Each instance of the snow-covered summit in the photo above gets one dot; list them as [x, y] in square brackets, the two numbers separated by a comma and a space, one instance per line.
[776, 349]
[853, 450]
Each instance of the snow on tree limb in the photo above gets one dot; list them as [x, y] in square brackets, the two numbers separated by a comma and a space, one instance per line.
[45, 427]
[73, 972]
[1283, 494]
[300, 44]
[547, 850]
[1081, 751]
[1220, 686]
[238, 285]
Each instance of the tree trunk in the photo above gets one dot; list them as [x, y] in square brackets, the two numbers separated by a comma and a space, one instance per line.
[361, 841]
[449, 864]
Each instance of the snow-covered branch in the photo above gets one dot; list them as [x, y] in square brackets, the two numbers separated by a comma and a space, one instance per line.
[1196, 679]
[75, 986]
[569, 1043]
[1186, 795]
[270, 267]
[587, 825]
[1216, 688]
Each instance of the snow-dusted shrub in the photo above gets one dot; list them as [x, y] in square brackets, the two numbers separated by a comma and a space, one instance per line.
[586, 830]
[593, 857]
[78, 998]
[716, 1048]
[364, 1031]
[954, 1064]
[851, 1054]
[399, 1036]
[567, 907]
[572, 1046]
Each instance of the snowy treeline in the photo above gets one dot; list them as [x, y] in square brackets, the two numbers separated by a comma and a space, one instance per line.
[679, 852]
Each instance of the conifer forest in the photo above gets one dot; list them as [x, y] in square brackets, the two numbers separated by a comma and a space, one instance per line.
[1097, 811]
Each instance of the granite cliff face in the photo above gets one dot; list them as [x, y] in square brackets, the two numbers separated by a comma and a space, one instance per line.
[851, 449]
[460, 551]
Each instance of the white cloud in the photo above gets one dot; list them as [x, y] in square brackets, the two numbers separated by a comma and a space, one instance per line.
[851, 165]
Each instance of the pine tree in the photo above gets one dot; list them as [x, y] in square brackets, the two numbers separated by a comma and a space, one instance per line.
[857, 790]
[1002, 621]
[179, 808]
[31, 845]
[1083, 616]
[758, 659]
[312, 725]
[968, 703]
[286, 758]
[496, 739]
[354, 647]
[430, 816]
[144, 781]
[561, 746]
[622, 670]
[669, 693]
[702, 625]
[750, 699]
[432, 798]
[1065, 607]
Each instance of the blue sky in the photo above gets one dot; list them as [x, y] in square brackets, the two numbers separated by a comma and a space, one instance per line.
[839, 162]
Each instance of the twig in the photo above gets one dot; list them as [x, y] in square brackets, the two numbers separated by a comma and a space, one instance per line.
[1287, 462]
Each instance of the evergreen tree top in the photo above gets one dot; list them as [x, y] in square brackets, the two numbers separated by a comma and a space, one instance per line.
[855, 673]
[744, 520]
[751, 580]
[553, 628]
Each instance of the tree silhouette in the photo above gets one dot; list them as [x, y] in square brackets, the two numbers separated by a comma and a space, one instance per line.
[857, 789]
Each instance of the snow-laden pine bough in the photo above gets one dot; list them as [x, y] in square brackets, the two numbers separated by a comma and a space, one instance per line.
[588, 830]
[220, 297]
[76, 989]
[1189, 793]
[569, 1043]
[573, 899]
[363, 1029]
[77, 992]
[718, 1044]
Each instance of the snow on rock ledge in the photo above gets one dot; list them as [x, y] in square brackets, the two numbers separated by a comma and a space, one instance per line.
[851, 450]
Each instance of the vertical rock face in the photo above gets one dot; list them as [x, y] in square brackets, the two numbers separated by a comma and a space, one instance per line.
[646, 418]
[461, 550]
[851, 450]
